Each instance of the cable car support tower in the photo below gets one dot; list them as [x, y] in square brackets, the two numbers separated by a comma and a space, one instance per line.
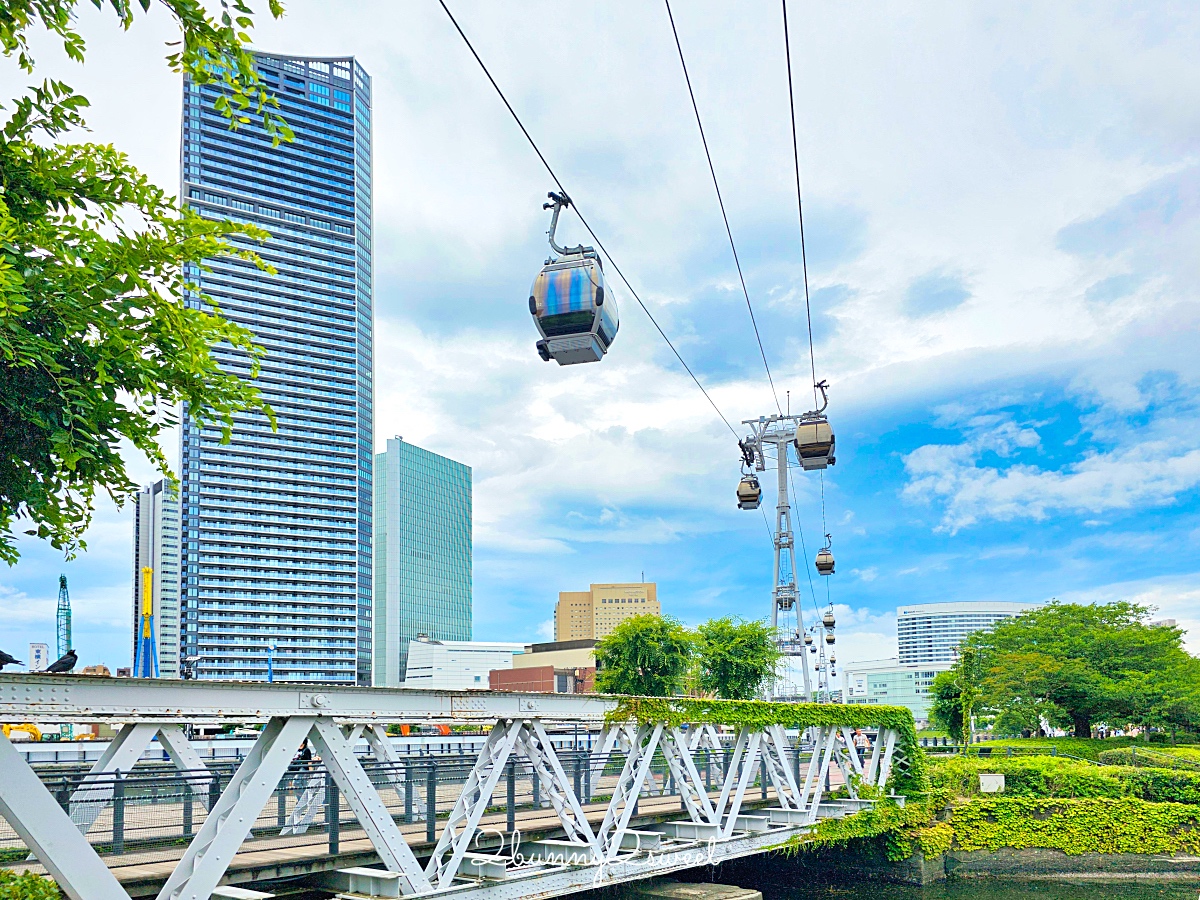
[812, 439]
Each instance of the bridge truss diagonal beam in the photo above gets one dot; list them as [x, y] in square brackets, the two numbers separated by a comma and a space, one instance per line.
[474, 800]
[628, 788]
[683, 770]
[337, 752]
[229, 821]
[96, 790]
[537, 747]
[776, 752]
[50, 834]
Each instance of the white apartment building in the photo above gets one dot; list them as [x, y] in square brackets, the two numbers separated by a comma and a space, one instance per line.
[932, 632]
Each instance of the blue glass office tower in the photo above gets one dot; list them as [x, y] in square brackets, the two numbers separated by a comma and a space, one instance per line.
[276, 526]
[422, 553]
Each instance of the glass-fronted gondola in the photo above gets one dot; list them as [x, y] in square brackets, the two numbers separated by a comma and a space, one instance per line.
[570, 304]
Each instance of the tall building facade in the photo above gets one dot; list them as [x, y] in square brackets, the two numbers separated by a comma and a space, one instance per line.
[932, 632]
[422, 554]
[592, 614]
[277, 524]
[156, 547]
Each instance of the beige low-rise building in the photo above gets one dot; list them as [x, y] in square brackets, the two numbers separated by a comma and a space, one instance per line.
[593, 614]
[562, 667]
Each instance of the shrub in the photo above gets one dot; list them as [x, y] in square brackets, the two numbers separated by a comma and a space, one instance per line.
[27, 886]
[1047, 777]
[1077, 826]
[1085, 748]
[1142, 756]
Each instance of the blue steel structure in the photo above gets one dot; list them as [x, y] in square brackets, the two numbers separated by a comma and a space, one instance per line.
[145, 657]
[422, 553]
[276, 526]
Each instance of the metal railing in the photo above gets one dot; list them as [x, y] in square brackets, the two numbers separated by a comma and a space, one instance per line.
[152, 809]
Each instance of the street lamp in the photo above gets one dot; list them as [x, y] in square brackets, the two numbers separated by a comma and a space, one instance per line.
[270, 663]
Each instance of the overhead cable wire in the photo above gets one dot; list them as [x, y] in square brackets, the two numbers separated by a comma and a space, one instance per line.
[803, 546]
[812, 357]
[721, 202]
[599, 243]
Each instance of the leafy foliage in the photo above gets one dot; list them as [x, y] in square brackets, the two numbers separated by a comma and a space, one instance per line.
[1077, 665]
[1077, 826]
[900, 830]
[27, 886]
[646, 655]
[1144, 756]
[735, 658]
[97, 346]
[1048, 776]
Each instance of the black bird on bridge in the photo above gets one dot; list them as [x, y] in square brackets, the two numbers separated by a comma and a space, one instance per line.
[8, 660]
[64, 663]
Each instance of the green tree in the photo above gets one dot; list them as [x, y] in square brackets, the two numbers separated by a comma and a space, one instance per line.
[945, 709]
[97, 343]
[1085, 664]
[735, 658]
[646, 655]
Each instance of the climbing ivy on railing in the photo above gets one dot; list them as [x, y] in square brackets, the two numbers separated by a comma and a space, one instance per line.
[906, 778]
[900, 829]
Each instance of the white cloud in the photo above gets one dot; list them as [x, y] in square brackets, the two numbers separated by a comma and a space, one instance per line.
[1148, 469]
[963, 139]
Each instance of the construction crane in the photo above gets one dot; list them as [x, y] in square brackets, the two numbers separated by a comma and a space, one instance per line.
[145, 663]
[67, 731]
[64, 617]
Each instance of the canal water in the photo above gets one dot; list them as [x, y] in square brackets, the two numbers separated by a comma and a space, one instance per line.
[989, 889]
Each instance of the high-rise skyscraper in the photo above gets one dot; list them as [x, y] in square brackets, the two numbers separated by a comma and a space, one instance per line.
[932, 632]
[422, 554]
[156, 547]
[277, 525]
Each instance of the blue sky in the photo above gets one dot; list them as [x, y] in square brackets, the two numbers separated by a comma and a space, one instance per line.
[1003, 206]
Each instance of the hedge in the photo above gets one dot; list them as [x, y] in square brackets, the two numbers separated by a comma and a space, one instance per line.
[1142, 756]
[27, 886]
[759, 714]
[1077, 826]
[1048, 776]
[1085, 748]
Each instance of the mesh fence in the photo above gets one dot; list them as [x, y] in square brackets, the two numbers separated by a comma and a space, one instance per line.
[152, 812]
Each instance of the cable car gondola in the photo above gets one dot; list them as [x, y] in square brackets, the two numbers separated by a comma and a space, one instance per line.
[749, 492]
[824, 561]
[815, 441]
[574, 312]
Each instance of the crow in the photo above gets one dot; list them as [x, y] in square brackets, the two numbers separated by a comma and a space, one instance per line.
[7, 660]
[65, 663]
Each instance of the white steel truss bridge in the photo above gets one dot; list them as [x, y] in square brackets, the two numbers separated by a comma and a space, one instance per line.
[468, 856]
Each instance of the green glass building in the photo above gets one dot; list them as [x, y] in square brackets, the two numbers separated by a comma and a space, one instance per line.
[422, 553]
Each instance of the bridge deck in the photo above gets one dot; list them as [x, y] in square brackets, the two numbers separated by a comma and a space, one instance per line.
[143, 872]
